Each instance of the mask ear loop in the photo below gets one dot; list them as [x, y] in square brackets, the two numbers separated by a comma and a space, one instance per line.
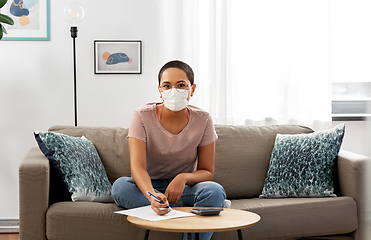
[160, 93]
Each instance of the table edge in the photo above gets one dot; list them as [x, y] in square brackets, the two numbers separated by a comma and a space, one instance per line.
[161, 229]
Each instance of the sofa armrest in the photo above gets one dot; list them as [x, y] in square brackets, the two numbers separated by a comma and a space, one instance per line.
[351, 172]
[33, 195]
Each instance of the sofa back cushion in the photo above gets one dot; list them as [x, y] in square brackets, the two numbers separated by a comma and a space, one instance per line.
[242, 156]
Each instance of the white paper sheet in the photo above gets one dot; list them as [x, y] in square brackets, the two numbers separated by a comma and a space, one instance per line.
[148, 214]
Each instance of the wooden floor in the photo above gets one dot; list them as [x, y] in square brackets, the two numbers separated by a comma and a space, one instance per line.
[9, 236]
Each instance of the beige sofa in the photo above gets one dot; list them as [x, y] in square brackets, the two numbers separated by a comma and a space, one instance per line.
[242, 160]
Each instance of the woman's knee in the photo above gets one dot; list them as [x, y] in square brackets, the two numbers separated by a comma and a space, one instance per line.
[216, 189]
[121, 185]
[216, 186]
[118, 183]
[127, 194]
[212, 194]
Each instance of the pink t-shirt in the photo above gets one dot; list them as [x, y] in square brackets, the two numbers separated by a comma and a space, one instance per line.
[170, 154]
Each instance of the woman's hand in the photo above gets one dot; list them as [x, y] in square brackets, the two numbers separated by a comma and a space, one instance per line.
[160, 209]
[175, 189]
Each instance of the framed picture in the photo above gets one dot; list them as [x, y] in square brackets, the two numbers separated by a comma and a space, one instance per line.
[117, 57]
[31, 20]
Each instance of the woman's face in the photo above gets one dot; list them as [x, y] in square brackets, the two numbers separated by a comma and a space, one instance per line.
[172, 77]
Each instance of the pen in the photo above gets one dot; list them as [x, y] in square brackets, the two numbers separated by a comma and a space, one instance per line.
[156, 198]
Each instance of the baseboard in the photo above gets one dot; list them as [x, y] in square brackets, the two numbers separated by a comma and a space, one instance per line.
[9, 226]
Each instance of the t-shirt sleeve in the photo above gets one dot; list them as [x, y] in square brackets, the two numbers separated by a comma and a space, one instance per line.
[136, 128]
[209, 135]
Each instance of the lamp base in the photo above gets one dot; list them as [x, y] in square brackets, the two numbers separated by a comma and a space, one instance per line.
[73, 32]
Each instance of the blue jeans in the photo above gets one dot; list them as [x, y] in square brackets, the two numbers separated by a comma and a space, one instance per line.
[204, 194]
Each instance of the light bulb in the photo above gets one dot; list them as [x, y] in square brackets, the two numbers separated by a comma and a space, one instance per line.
[74, 13]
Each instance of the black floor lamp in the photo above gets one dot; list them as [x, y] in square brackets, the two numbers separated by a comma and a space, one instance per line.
[74, 13]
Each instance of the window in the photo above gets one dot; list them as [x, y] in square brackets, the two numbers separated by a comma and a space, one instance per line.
[351, 101]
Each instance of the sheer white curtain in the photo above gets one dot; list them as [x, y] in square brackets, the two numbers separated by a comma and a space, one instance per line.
[256, 62]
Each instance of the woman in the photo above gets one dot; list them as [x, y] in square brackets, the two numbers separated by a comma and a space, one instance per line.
[172, 150]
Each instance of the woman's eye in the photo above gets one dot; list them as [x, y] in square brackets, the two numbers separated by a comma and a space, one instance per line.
[181, 85]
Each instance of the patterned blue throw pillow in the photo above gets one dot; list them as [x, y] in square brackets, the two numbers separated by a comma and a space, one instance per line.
[78, 164]
[302, 165]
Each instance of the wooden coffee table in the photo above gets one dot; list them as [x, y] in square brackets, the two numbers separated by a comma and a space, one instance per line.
[229, 219]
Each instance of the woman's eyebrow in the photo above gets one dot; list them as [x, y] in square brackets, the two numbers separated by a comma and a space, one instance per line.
[180, 81]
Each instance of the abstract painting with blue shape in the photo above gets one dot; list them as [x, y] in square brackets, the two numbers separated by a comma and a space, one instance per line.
[116, 58]
[21, 9]
[17, 9]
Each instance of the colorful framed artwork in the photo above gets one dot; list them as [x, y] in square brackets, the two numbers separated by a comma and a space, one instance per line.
[117, 57]
[31, 20]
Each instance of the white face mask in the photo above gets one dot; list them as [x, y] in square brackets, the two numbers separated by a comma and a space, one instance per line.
[175, 100]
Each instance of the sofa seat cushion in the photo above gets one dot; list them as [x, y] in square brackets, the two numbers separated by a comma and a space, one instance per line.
[92, 220]
[300, 217]
[84, 220]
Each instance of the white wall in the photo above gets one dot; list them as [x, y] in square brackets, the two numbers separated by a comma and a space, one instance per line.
[36, 81]
[356, 137]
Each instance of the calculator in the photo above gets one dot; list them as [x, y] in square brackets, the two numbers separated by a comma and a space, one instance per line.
[207, 211]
